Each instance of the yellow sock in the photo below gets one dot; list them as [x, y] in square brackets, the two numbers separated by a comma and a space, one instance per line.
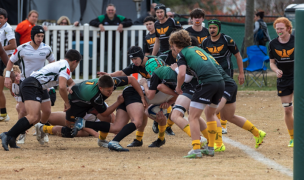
[212, 129]
[161, 133]
[102, 135]
[187, 130]
[218, 138]
[219, 115]
[290, 133]
[205, 134]
[3, 115]
[169, 122]
[47, 129]
[251, 128]
[139, 135]
[196, 144]
[224, 123]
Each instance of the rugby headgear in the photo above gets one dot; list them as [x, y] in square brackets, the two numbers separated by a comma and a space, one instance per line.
[152, 64]
[138, 53]
[217, 23]
[160, 6]
[36, 30]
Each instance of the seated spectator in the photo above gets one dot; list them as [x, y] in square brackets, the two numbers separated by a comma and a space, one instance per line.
[23, 29]
[140, 20]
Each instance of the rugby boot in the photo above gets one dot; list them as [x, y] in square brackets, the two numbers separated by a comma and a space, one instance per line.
[259, 140]
[290, 143]
[135, 143]
[169, 131]
[115, 146]
[155, 127]
[157, 143]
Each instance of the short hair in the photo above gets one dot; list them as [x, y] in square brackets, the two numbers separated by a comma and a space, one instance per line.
[16, 69]
[197, 13]
[31, 12]
[260, 14]
[285, 21]
[180, 38]
[110, 5]
[149, 18]
[73, 55]
[62, 18]
[105, 81]
[3, 12]
[194, 41]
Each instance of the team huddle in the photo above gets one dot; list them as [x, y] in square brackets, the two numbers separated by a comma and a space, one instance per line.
[185, 71]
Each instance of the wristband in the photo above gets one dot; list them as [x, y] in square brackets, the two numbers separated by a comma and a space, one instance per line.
[8, 74]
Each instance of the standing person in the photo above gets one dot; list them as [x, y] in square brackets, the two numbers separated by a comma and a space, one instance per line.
[8, 41]
[281, 54]
[150, 37]
[23, 29]
[261, 35]
[32, 90]
[197, 30]
[142, 18]
[164, 26]
[208, 92]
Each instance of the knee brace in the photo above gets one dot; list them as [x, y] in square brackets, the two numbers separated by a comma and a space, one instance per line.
[287, 104]
[179, 108]
[66, 132]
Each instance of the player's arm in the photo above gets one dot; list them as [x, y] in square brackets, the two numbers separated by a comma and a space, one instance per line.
[136, 86]
[3, 55]
[156, 46]
[149, 92]
[114, 74]
[239, 62]
[63, 92]
[50, 57]
[180, 78]
[109, 110]
[11, 46]
[165, 89]
[273, 65]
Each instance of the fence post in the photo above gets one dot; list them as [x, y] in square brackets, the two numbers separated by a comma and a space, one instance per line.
[86, 34]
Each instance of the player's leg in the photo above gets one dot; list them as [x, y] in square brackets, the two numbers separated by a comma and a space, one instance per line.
[137, 142]
[3, 113]
[169, 123]
[288, 112]
[21, 113]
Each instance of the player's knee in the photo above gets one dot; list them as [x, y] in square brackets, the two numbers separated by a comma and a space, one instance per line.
[177, 111]
[138, 123]
[66, 132]
[288, 108]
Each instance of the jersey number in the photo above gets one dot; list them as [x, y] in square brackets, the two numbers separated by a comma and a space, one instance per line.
[200, 53]
[214, 59]
[90, 83]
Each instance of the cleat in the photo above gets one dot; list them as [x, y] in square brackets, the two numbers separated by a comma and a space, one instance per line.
[135, 143]
[259, 140]
[40, 134]
[102, 143]
[46, 138]
[155, 127]
[221, 148]
[79, 124]
[21, 139]
[158, 143]
[224, 130]
[207, 152]
[4, 118]
[169, 131]
[4, 139]
[194, 154]
[204, 142]
[115, 146]
[290, 143]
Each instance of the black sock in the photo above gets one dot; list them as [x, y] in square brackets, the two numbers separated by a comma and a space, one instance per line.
[125, 131]
[98, 126]
[47, 123]
[21, 126]
[3, 110]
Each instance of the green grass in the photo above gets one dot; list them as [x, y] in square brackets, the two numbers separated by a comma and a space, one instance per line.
[271, 85]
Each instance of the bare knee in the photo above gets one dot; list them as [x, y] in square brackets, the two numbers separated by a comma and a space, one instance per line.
[288, 111]
[33, 119]
[138, 123]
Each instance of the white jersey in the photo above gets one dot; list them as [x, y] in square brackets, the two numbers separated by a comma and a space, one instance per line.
[6, 34]
[49, 75]
[31, 59]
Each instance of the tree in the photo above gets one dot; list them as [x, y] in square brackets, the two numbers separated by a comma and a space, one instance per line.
[248, 39]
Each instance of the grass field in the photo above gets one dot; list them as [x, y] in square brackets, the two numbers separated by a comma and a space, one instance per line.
[81, 158]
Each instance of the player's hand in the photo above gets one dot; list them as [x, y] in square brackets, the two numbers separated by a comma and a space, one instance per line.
[241, 78]
[178, 90]
[66, 106]
[102, 73]
[8, 83]
[76, 23]
[120, 99]
[278, 72]
[143, 100]
[102, 29]
[120, 28]
[160, 116]
[142, 81]
[164, 105]
[69, 90]
[173, 66]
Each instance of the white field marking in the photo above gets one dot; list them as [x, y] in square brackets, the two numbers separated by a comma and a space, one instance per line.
[258, 156]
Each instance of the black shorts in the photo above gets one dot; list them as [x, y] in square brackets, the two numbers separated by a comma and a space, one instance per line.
[189, 88]
[285, 86]
[230, 92]
[131, 96]
[2, 67]
[211, 92]
[31, 89]
[230, 72]
[76, 111]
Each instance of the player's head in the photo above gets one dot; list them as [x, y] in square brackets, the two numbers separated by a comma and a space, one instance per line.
[152, 64]
[149, 23]
[194, 41]
[179, 39]
[3, 17]
[73, 57]
[160, 11]
[214, 26]
[197, 16]
[106, 85]
[15, 74]
[37, 34]
[136, 55]
[259, 15]
[33, 16]
[282, 26]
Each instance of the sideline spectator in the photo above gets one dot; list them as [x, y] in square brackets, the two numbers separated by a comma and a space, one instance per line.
[23, 29]
[170, 14]
[150, 37]
[260, 24]
[140, 20]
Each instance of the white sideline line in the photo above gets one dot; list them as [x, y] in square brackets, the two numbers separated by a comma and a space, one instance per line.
[258, 156]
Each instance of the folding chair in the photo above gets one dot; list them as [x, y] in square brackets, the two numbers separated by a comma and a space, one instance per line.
[256, 71]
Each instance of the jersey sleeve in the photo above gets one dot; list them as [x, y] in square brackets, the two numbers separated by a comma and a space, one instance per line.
[231, 45]
[181, 59]
[9, 33]
[65, 72]
[146, 46]
[154, 82]
[177, 24]
[50, 57]
[120, 81]
[271, 55]
[99, 104]
[129, 70]
[204, 45]
[16, 55]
